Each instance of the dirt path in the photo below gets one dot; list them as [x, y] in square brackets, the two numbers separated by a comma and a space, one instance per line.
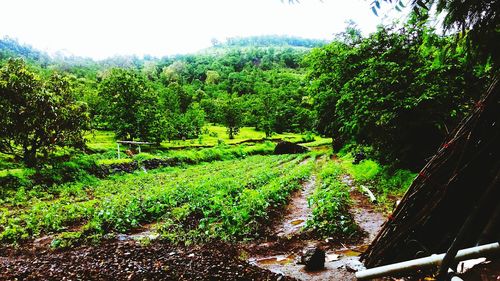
[281, 253]
[297, 212]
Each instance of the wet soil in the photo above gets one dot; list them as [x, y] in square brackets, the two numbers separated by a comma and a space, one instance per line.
[297, 212]
[280, 253]
[274, 257]
[128, 260]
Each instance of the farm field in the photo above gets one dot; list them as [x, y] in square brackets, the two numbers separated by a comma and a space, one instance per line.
[235, 202]
[211, 136]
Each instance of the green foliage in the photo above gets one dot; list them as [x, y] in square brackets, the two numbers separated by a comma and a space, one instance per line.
[476, 20]
[231, 111]
[66, 240]
[308, 137]
[220, 200]
[131, 108]
[13, 180]
[330, 203]
[270, 41]
[384, 181]
[390, 89]
[37, 114]
[10, 47]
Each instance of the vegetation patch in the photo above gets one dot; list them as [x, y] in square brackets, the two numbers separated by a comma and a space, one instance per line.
[227, 198]
[330, 203]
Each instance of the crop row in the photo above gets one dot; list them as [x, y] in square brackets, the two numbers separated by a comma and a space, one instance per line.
[330, 202]
[224, 199]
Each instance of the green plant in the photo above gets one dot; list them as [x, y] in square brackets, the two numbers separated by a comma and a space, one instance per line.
[330, 203]
[308, 137]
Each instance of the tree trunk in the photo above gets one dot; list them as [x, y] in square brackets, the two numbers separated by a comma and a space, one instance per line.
[29, 157]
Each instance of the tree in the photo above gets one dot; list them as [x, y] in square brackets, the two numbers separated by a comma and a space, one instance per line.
[231, 111]
[383, 92]
[37, 115]
[476, 20]
[131, 109]
[453, 202]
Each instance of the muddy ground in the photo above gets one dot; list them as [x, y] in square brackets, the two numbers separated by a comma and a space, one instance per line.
[128, 260]
[280, 251]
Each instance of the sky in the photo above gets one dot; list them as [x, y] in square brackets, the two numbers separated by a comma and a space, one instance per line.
[104, 28]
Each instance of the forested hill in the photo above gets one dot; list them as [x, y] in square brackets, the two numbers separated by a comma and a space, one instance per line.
[383, 92]
[10, 47]
[270, 41]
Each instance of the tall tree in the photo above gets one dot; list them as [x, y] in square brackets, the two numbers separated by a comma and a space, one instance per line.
[231, 111]
[382, 91]
[37, 115]
[131, 106]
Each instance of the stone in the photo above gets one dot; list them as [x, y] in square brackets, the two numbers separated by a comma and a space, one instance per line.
[354, 266]
[286, 147]
[313, 258]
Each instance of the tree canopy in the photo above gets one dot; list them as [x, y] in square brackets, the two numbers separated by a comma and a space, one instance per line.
[37, 113]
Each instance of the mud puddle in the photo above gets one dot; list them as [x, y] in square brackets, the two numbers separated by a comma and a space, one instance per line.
[297, 212]
[282, 256]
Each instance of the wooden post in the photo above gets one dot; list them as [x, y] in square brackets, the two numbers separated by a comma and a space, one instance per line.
[118, 149]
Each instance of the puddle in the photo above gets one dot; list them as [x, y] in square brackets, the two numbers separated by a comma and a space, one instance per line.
[336, 267]
[340, 263]
[275, 260]
[297, 222]
[353, 252]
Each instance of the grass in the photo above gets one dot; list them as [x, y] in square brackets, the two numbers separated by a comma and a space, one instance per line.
[319, 142]
[221, 192]
[113, 161]
[212, 136]
[101, 140]
[386, 183]
[105, 148]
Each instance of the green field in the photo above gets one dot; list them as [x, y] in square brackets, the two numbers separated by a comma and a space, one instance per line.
[218, 192]
[212, 135]
[229, 198]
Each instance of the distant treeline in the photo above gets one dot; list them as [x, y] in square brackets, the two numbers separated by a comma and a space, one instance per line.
[396, 92]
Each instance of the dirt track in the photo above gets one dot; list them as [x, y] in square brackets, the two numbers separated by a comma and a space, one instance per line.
[281, 251]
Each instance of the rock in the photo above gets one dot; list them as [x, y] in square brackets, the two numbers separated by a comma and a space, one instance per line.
[286, 147]
[313, 258]
[354, 266]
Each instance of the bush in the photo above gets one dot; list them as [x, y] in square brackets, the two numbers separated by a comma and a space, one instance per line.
[11, 182]
[308, 137]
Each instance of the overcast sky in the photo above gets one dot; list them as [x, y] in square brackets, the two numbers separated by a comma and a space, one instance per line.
[103, 28]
